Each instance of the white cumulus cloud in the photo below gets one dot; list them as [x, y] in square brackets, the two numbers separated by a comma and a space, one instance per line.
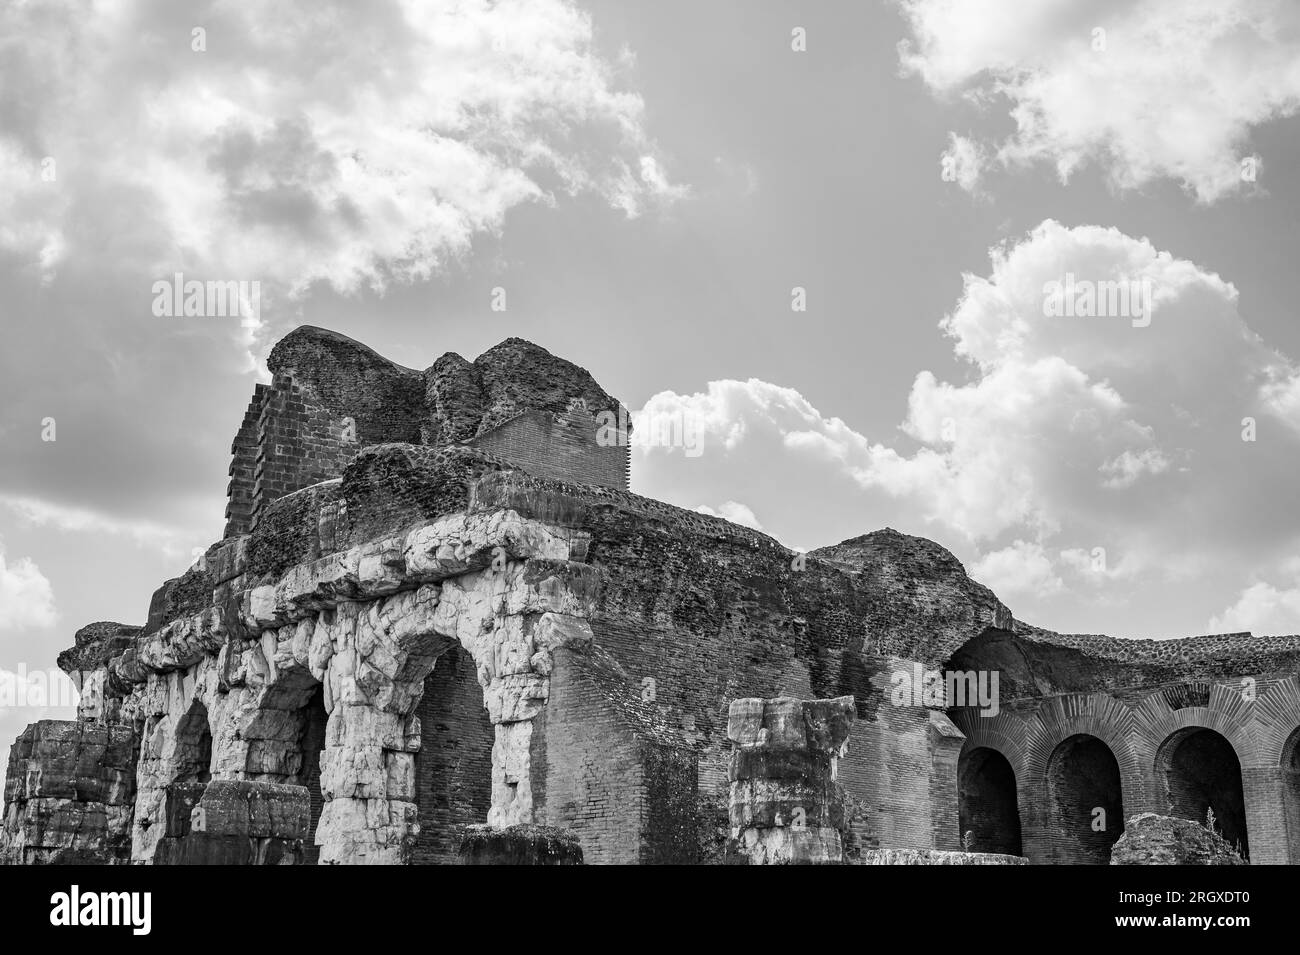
[314, 141]
[1146, 89]
[26, 597]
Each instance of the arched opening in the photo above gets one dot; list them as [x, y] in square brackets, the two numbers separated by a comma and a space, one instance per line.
[194, 746]
[312, 743]
[1085, 800]
[1202, 778]
[453, 768]
[988, 812]
[1290, 770]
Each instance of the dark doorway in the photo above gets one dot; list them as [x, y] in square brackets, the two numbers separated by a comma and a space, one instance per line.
[988, 811]
[1085, 801]
[1202, 778]
[313, 742]
[453, 769]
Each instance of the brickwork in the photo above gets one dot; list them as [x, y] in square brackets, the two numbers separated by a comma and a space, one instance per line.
[558, 447]
[241, 492]
[1085, 801]
[453, 769]
[595, 784]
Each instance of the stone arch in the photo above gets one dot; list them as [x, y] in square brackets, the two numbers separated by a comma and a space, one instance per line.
[988, 807]
[1085, 803]
[1199, 771]
[375, 657]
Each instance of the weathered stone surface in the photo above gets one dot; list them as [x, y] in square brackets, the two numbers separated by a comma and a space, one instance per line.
[234, 822]
[1150, 839]
[931, 857]
[785, 807]
[519, 845]
[69, 794]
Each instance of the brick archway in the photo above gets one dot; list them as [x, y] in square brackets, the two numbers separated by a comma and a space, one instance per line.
[1199, 776]
[988, 808]
[1085, 802]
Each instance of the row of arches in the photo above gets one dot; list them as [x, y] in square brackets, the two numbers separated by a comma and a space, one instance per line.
[453, 767]
[1198, 777]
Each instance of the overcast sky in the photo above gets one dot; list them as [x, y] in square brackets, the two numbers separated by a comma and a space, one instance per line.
[649, 182]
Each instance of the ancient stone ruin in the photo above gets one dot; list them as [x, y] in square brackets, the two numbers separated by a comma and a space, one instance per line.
[440, 628]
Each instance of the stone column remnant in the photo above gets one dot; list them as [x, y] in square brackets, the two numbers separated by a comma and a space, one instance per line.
[785, 804]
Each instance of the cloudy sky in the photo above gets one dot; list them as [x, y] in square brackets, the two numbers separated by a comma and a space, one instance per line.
[650, 184]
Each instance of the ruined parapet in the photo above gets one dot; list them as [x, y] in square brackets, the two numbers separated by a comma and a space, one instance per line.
[785, 804]
[1151, 839]
[330, 397]
[69, 794]
[234, 822]
[519, 845]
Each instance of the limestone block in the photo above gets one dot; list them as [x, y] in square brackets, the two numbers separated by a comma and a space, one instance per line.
[784, 805]
[516, 697]
[786, 846]
[184, 641]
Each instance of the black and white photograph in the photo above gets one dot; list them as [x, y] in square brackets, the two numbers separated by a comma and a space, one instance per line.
[610, 432]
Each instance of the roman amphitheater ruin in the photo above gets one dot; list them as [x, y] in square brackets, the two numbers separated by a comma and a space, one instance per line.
[438, 617]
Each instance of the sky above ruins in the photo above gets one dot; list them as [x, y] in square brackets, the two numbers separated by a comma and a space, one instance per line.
[656, 187]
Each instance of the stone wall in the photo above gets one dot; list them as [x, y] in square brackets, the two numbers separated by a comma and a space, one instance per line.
[69, 792]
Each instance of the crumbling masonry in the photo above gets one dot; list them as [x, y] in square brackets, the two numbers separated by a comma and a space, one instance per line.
[437, 606]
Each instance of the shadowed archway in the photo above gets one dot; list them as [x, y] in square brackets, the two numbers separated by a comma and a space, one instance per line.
[1085, 800]
[1201, 778]
[988, 810]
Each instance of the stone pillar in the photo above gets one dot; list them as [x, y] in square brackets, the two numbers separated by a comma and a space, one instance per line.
[785, 804]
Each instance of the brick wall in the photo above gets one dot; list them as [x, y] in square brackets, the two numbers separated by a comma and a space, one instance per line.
[240, 492]
[560, 447]
[300, 442]
[453, 769]
[1082, 777]
[594, 777]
